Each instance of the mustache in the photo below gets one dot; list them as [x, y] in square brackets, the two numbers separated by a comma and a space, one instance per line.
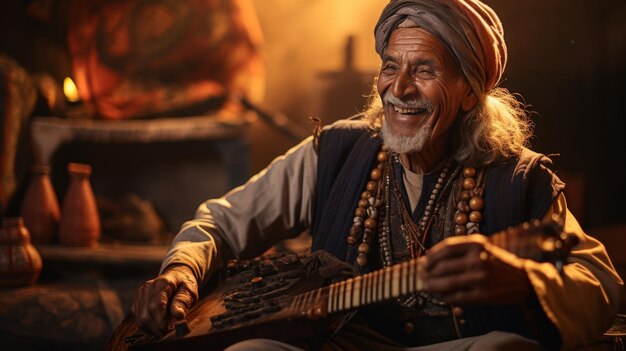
[421, 103]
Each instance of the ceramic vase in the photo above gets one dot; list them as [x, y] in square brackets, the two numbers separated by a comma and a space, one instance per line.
[40, 208]
[80, 223]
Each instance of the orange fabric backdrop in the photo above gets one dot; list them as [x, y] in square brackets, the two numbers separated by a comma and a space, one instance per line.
[137, 58]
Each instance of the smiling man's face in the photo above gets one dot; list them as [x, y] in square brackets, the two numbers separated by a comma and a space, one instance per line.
[422, 90]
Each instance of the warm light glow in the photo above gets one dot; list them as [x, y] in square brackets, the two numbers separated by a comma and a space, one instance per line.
[70, 90]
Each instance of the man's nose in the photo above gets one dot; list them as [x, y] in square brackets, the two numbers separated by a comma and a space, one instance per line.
[403, 85]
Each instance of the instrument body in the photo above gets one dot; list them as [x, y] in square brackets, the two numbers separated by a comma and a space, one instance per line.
[280, 297]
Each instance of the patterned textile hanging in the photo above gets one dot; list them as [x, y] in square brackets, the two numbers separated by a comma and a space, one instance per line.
[146, 58]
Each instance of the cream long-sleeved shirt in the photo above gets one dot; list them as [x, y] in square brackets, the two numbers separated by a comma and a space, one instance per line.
[277, 204]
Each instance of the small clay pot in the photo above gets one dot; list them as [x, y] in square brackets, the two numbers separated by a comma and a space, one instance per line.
[20, 263]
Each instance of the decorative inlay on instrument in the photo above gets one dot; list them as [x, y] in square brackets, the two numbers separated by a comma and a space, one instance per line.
[279, 297]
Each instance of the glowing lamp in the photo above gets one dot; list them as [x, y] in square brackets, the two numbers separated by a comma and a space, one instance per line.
[70, 90]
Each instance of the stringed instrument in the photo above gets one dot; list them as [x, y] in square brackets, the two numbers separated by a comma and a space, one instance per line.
[275, 297]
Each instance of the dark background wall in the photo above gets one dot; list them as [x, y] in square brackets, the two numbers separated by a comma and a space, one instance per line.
[568, 60]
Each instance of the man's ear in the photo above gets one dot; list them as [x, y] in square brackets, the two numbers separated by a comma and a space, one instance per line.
[469, 100]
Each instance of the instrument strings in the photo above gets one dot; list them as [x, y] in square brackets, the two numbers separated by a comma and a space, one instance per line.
[394, 281]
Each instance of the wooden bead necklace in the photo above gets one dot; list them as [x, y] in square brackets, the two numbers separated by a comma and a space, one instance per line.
[366, 220]
[468, 213]
[366, 215]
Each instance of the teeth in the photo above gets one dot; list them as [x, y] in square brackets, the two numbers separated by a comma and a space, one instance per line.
[407, 110]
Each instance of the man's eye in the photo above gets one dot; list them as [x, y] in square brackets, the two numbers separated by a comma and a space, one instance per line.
[389, 68]
[425, 73]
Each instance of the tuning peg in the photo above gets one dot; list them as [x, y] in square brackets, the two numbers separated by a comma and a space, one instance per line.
[556, 219]
[559, 266]
[570, 240]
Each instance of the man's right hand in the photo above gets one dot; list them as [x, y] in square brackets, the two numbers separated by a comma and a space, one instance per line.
[170, 295]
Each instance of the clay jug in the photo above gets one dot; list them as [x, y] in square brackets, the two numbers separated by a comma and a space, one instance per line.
[40, 208]
[20, 263]
[80, 223]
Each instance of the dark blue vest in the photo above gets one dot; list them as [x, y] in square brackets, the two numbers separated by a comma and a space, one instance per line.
[516, 191]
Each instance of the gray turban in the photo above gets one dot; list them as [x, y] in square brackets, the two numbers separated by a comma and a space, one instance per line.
[470, 30]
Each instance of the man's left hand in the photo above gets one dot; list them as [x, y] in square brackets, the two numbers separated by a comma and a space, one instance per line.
[470, 270]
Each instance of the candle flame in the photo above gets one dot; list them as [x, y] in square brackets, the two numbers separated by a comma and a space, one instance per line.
[70, 90]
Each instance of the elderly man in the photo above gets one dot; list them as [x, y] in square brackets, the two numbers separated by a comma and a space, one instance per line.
[437, 164]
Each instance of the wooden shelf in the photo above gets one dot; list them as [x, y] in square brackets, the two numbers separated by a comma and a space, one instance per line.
[105, 254]
[51, 132]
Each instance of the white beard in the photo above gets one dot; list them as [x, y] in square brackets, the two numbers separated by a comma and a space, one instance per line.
[405, 144]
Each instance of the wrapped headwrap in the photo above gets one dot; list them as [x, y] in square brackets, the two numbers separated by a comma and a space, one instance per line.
[470, 30]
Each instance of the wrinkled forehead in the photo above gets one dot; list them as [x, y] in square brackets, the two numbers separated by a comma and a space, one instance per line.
[414, 37]
[419, 44]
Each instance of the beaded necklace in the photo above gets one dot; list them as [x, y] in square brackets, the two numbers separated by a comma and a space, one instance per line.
[468, 215]
[366, 215]
[379, 191]
[414, 233]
